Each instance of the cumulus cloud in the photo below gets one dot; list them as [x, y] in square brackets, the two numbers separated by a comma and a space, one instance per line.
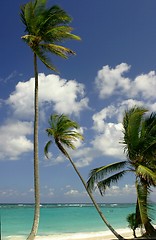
[145, 85]
[57, 94]
[112, 81]
[115, 190]
[64, 96]
[107, 123]
[75, 194]
[14, 141]
[68, 97]
[72, 192]
[83, 156]
[108, 134]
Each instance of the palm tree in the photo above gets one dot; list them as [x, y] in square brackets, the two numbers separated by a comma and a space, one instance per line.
[133, 223]
[140, 148]
[45, 28]
[64, 132]
[131, 219]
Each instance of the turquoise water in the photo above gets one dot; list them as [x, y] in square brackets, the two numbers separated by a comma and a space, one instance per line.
[16, 219]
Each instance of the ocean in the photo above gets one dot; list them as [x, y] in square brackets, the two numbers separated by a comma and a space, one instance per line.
[16, 219]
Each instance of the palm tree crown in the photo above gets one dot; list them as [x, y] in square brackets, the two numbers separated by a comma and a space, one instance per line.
[140, 143]
[64, 131]
[140, 148]
[45, 28]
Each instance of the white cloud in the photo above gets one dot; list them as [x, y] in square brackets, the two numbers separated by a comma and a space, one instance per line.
[75, 194]
[83, 156]
[13, 141]
[55, 160]
[98, 118]
[108, 132]
[72, 192]
[111, 81]
[107, 123]
[108, 141]
[139, 91]
[64, 96]
[145, 85]
[21, 100]
[115, 190]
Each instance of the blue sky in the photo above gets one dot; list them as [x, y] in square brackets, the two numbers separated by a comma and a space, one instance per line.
[114, 69]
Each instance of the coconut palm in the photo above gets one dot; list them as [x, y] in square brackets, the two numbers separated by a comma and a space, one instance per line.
[45, 28]
[140, 148]
[64, 132]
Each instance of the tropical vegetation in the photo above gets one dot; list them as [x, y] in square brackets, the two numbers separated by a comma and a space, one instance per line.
[65, 133]
[44, 28]
[139, 130]
[132, 223]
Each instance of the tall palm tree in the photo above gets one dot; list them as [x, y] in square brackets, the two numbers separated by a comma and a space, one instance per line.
[64, 132]
[140, 148]
[45, 28]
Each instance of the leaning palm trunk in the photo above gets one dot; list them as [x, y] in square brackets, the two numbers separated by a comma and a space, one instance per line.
[89, 193]
[36, 161]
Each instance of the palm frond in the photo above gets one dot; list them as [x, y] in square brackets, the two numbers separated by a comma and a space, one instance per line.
[39, 6]
[143, 203]
[62, 130]
[46, 148]
[50, 131]
[59, 34]
[58, 16]
[106, 183]
[48, 26]
[57, 50]
[150, 124]
[28, 17]
[147, 174]
[131, 122]
[132, 221]
[44, 58]
[98, 174]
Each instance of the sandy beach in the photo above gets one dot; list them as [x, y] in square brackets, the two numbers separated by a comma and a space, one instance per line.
[107, 235]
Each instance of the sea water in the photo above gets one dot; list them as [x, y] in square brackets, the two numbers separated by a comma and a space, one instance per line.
[16, 219]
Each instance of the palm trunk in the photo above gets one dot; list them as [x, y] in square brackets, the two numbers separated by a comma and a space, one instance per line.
[89, 193]
[36, 160]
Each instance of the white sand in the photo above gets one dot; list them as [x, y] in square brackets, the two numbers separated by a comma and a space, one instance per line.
[106, 235]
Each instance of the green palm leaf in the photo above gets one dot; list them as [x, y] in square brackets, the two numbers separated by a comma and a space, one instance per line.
[45, 28]
[98, 174]
[142, 197]
[46, 149]
[57, 50]
[147, 174]
[106, 183]
[131, 123]
[62, 130]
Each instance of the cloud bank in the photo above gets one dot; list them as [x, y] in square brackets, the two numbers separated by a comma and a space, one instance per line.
[56, 94]
[70, 97]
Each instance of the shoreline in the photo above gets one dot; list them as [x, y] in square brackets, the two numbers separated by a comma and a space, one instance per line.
[107, 235]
